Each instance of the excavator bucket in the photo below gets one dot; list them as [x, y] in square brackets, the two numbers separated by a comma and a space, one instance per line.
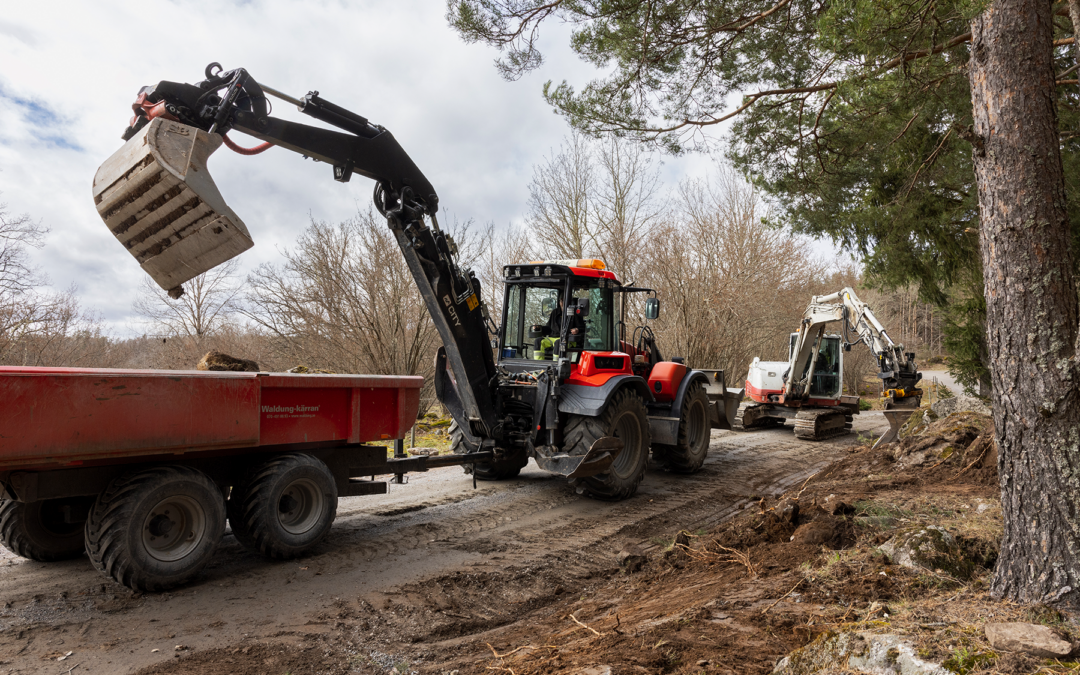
[159, 200]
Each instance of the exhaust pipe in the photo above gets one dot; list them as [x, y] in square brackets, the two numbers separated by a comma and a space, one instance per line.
[158, 199]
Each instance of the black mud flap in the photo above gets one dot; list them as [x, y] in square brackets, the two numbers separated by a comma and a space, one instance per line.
[596, 461]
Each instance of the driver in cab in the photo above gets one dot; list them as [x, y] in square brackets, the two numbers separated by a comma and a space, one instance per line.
[553, 328]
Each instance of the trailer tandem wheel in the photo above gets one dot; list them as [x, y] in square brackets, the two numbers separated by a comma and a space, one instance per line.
[624, 417]
[284, 507]
[694, 433]
[157, 528]
[41, 530]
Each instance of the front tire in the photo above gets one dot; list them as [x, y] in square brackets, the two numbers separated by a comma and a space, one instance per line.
[694, 431]
[624, 417]
[284, 507]
[503, 469]
[39, 531]
[155, 529]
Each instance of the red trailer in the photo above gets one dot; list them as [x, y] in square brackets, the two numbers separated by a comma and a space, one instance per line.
[141, 468]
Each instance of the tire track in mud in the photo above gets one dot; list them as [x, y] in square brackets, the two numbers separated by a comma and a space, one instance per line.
[549, 517]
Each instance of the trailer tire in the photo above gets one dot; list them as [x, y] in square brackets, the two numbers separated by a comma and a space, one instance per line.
[498, 470]
[625, 417]
[694, 432]
[154, 529]
[284, 507]
[37, 530]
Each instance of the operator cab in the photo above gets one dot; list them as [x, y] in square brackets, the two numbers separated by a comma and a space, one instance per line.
[827, 380]
[548, 302]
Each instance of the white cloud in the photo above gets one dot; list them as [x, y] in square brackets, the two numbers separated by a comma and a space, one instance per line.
[73, 68]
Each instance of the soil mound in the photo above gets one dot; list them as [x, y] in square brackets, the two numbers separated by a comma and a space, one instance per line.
[215, 360]
[304, 370]
[957, 448]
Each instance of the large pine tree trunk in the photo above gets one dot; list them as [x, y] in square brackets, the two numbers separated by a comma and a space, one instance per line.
[1031, 302]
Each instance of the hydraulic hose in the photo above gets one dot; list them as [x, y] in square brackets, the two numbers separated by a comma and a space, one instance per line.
[246, 151]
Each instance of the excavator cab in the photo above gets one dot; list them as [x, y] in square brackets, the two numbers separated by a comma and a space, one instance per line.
[827, 380]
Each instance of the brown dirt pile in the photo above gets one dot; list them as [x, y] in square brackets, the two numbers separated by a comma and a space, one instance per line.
[215, 360]
[738, 598]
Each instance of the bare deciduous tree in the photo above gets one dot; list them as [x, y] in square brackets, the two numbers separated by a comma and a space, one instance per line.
[594, 199]
[558, 215]
[209, 303]
[344, 300]
[38, 326]
[733, 287]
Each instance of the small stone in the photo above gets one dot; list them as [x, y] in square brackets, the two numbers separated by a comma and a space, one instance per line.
[703, 662]
[154, 651]
[788, 510]
[834, 506]
[631, 559]
[1039, 641]
[682, 542]
[816, 533]
[597, 670]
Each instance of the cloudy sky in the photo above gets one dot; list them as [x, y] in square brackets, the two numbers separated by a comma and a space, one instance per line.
[72, 68]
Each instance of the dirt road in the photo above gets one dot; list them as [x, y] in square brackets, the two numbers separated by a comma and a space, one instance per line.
[432, 561]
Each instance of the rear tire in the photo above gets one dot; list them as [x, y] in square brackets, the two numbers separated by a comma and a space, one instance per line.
[155, 529]
[694, 432]
[38, 530]
[503, 469]
[624, 417]
[284, 507]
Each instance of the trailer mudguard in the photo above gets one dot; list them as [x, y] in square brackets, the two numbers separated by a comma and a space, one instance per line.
[576, 399]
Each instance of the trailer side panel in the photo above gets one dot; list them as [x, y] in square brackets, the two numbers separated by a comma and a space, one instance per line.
[56, 416]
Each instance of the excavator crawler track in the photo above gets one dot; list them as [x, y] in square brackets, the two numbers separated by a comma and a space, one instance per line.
[821, 423]
[760, 423]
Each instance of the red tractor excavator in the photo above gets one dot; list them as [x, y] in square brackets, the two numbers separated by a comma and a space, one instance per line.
[568, 387]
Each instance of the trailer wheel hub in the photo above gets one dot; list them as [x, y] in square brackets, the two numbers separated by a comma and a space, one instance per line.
[161, 525]
[174, 528]
[300, 506]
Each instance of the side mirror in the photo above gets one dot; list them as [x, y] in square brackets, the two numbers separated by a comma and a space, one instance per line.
[583, 307]
[652, 308]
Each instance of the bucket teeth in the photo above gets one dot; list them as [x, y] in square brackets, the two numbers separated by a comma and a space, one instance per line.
[158, 199]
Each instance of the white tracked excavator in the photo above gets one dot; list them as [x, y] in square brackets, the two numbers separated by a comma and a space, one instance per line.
[808, 387]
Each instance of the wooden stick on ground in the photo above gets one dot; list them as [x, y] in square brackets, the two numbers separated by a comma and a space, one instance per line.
[514, 651]
[575, 620]
[784, 596]
[986, 446]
